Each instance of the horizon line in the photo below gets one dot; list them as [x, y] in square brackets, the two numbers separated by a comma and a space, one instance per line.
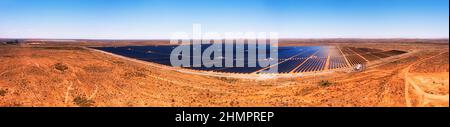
[287, 38]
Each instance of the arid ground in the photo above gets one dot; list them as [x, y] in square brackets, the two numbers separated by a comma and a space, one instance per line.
[68, 74]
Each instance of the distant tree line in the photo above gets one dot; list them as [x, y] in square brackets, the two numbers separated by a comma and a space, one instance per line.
[10, 42]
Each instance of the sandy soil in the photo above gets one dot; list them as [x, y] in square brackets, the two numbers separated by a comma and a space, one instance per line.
[54, 75]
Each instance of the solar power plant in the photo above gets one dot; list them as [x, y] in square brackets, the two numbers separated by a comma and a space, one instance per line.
[291, 59]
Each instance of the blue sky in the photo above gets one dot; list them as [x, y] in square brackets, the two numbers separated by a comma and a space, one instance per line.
[158, 19]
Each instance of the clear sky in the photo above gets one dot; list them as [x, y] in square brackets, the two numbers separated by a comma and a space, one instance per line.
[158, 19]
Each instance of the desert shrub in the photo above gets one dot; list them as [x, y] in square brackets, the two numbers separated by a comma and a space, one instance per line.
[135, 74]
[60, 48]
[34, 70]
[9, 56]
[2, 92]
[304, 91]
[83, 101]
[61, 67]
[23, 83]
[96, 69]
[35, 56]
[228, 80]
[118, 62]
[325, 83]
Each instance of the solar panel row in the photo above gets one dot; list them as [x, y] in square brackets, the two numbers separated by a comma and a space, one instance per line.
[291, 59]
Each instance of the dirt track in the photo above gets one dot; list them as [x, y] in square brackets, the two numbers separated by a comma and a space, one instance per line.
[423, 98]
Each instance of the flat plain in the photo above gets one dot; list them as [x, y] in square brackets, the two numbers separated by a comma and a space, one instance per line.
[69, 74]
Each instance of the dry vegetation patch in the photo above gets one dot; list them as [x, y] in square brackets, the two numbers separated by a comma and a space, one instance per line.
[325, 83]
[134, 74]
[61, 67]
[82, 101]
[97, 69]
[439, 63]
[3, 92]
